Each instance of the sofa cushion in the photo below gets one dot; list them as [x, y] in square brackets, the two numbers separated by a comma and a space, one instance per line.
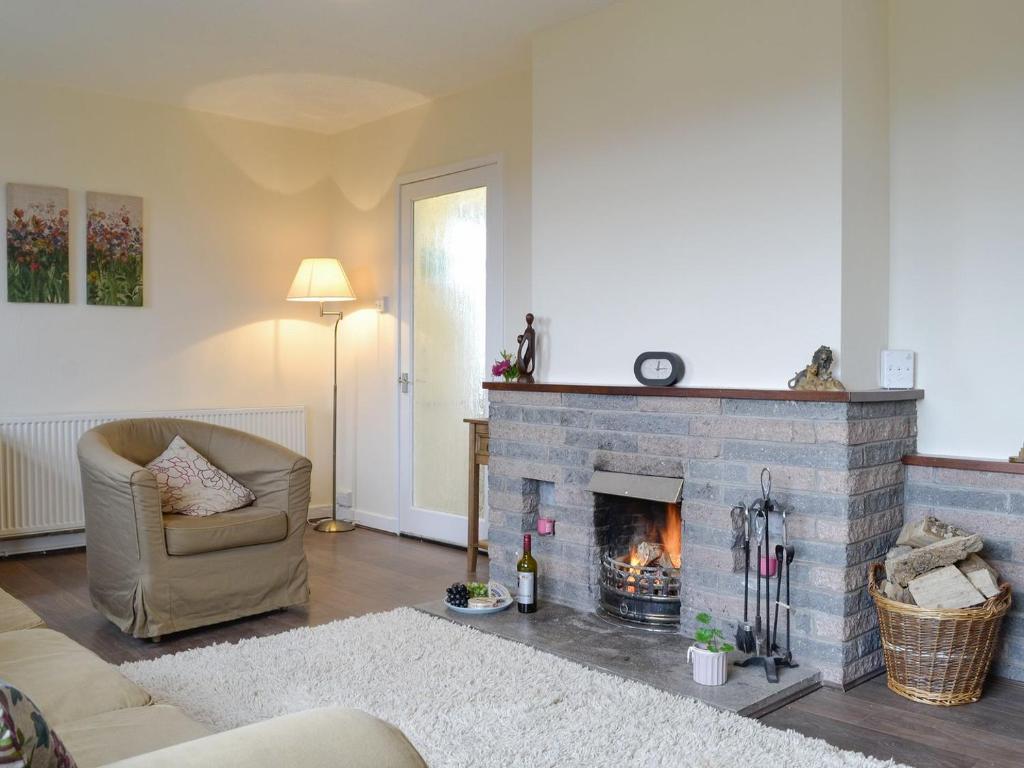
[316, 738]
[26, 739]
[190, 485]
[124, 733]
[14, 614]
[66, 681]
[187, 535]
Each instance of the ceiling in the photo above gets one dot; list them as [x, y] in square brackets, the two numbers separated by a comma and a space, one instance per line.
[321, 65]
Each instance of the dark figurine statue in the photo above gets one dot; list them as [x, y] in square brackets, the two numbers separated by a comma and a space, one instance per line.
[818, 375]
[525, 357]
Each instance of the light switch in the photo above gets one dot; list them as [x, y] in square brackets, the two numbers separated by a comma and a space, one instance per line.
[897, 369]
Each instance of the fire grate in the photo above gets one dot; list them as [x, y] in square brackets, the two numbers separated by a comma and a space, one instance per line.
[642, 596]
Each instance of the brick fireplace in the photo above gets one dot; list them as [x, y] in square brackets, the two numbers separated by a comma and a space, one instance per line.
[835, 458]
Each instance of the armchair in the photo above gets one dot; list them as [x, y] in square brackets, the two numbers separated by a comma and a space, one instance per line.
[152, 574]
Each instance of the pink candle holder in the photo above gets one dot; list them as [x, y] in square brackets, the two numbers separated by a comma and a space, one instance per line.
[545, 526]
[769, 566]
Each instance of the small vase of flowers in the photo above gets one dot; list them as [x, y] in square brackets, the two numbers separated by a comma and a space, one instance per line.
[505, 367]
[709, 655]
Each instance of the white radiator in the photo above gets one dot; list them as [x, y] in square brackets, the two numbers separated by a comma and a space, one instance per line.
[40, 486]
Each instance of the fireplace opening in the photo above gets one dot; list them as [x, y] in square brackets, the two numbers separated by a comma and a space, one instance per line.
[640, 527]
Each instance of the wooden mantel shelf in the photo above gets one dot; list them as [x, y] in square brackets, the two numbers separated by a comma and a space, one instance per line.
[962, 462]
[855, 396]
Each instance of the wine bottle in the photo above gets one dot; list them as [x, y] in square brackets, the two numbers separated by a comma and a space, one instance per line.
[526, 592]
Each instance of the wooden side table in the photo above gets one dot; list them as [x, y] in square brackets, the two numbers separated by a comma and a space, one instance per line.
[479, 432]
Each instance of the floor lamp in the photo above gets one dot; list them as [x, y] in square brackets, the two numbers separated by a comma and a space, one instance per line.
[323, 280]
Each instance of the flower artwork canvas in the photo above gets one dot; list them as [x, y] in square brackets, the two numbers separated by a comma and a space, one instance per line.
[113, 250]
[37, 244]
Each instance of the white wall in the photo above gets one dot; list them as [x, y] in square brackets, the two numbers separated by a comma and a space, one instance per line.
[230, 209]
[957, 78]
[687, 175]
[865, 190]
[716, 178]
[493, 119]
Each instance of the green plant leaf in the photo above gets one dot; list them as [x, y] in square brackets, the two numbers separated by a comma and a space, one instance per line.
[703, 618]
[727, 648]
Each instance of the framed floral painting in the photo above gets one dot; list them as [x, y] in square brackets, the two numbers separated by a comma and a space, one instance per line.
[37, 244]
[113, 250]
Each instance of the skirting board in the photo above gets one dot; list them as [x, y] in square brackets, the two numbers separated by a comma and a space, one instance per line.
[25, 545]
[374, 520]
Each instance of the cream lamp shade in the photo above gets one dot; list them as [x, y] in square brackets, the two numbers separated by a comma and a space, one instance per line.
[321, 280]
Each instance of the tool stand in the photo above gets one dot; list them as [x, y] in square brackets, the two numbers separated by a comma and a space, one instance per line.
[767, 655]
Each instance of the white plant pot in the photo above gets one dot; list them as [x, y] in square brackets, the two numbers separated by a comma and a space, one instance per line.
[708, 668]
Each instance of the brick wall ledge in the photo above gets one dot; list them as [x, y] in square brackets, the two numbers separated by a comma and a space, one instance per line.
[961, 462]
[854, 396]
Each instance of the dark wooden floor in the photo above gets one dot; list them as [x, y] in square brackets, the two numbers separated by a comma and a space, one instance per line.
[349, 573]
[364, 571]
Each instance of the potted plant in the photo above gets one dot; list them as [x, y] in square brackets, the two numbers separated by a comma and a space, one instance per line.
[709, 655]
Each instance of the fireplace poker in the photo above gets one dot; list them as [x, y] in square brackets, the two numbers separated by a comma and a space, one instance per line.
[744, 632]
[790, 554]
[780, 554]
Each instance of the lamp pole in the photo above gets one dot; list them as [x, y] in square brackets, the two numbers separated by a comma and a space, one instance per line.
[333, 524]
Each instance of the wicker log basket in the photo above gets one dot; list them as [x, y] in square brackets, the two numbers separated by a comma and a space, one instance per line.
[938, 656]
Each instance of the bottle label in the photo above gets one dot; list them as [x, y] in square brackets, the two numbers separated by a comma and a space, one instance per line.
[524, 594]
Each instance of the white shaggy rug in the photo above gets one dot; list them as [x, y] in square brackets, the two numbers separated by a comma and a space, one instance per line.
[466, 698]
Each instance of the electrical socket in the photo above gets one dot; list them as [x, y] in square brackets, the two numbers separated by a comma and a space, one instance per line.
[345, 499]
[897, 369]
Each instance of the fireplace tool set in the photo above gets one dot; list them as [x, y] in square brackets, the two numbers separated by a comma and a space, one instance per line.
[761, 638]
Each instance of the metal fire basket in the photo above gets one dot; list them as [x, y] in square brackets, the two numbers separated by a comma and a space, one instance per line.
[643, 596]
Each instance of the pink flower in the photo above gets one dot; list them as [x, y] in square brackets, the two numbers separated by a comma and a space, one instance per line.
[499, 368]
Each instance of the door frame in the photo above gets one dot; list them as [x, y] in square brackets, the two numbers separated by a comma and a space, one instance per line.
[450, 528]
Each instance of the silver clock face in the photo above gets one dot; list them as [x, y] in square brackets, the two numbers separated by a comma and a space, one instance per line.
[656, 368]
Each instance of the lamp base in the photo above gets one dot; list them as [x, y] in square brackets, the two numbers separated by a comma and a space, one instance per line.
[335, 526]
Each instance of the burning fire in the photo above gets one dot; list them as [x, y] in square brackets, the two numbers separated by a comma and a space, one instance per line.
[668, 537]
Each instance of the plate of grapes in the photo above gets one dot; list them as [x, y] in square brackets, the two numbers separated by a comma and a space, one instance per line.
[477, 598]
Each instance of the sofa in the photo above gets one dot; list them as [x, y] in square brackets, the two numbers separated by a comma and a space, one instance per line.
[153, 574]
[104, 719]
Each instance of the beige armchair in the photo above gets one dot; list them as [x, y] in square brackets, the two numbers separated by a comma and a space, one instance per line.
[152, 574]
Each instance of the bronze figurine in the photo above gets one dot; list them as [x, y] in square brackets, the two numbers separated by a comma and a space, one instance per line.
[818, 375]
[1019, 458]
[525, 359]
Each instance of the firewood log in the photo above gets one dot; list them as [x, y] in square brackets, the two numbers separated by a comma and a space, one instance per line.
[647, 552]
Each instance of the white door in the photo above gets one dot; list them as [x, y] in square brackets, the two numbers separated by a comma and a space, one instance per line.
[450, 326]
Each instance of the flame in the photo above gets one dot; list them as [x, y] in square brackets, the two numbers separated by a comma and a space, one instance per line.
[672, 535]
[634, 558]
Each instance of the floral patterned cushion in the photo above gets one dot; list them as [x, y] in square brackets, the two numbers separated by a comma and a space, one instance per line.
[191, 485]
[26, 741]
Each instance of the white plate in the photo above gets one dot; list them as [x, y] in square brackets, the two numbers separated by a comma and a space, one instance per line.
[481, 611]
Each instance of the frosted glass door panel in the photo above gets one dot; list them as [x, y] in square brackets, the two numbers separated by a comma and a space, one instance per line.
[449, 342]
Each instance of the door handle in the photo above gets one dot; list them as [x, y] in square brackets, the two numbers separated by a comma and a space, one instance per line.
[404, 381]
